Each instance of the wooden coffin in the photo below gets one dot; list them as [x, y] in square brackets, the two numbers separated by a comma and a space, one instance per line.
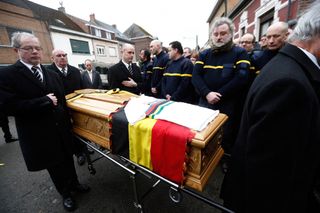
[90, 113]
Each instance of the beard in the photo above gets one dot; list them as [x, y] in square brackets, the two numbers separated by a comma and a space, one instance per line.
[221, 43]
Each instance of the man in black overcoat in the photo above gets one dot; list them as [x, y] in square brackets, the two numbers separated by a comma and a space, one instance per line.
[126, 75]
[70, 75]
[71, 79]
[35, 97]
[275, 160]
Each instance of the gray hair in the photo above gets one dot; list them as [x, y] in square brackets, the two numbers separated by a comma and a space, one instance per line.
[157, 42]
[17, 37]
[223, 20]
[308, 26]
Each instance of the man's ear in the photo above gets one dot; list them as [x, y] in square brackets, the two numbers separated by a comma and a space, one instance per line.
[16, 50]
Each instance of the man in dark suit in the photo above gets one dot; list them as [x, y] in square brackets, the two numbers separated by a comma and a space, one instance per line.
[90, 78]
[71, 79]
[70, 76]
[126, 75]
[275, 160]
[35, 97]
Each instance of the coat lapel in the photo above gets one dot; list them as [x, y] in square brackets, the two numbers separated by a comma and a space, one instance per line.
[311, 70]
[28, 74]
[303, 60]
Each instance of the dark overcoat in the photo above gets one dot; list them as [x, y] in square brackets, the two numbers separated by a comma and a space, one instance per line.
[119, 73]
[276, 156]
[72, 81]
[44, 130]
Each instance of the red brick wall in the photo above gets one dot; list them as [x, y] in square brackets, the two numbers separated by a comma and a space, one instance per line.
[20, 18]
[142, 43]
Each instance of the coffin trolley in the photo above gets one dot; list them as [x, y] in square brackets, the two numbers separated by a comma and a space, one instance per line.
[90, 111]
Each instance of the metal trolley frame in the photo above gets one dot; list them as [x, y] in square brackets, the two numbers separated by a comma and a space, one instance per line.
[175, 191]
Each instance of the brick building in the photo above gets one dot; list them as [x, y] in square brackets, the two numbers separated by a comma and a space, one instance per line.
[257, 15]
[16, 15]
[140, 37]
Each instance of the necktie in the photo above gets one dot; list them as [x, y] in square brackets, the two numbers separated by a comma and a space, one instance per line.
[36, 73]
[130, 69]
[64, 72]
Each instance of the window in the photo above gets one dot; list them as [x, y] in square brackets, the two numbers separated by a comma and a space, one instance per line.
[6, 34]
[265, 21]
[98, 32]
[112, 51]
[78, 46]
[243, 31]
[108, 35]
[100, 50]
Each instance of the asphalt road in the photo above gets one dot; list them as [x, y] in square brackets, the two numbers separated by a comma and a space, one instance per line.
[111, 188]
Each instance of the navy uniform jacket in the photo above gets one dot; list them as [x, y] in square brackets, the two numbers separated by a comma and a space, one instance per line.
[223, 72]
[146, 72]
[72, 81]
[276, 156]
[159, 64]
[44, 130]
[119, 73]
[176, 80]
[260, 59]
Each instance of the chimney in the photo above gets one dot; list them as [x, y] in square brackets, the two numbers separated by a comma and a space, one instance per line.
[62, 8]
[92, 17]
[114, 26]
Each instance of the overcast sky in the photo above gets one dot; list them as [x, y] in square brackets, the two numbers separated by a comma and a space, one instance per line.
[169, 20]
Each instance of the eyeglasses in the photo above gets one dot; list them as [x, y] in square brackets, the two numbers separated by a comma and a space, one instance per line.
[61, 55]
[30, 49]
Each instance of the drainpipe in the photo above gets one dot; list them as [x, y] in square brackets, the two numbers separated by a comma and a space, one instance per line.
[289, 10]
[225, 8]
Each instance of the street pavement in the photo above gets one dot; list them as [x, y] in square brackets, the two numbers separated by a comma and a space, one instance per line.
[111, 188]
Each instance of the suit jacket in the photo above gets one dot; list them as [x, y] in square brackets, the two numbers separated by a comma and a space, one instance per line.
[119, 72]
[276, 156]
[86, 81]
[72, 81]
[44, 130]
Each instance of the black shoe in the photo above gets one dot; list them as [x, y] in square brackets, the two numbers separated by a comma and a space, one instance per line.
[69, 204]
[81, 188]
[81, 159]
[9, 140]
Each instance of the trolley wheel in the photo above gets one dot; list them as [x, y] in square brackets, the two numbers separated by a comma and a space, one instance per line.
[175, 195]
[91, 169]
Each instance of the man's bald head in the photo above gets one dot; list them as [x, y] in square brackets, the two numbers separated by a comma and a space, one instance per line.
[59, 57]
[277, 35]
[155, 47]
[127, 53]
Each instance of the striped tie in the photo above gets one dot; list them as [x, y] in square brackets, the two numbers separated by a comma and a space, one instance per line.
[36, 73]
[64, 71]
[130, 69]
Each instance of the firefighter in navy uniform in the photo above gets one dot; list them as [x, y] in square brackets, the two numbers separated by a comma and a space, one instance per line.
[220, 76]
[146, 66]
[159, 63]
[176, 80]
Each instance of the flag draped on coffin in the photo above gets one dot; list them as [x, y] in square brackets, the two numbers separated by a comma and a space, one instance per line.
[155, 144]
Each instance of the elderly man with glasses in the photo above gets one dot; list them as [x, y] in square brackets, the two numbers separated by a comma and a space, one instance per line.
[35, 97]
